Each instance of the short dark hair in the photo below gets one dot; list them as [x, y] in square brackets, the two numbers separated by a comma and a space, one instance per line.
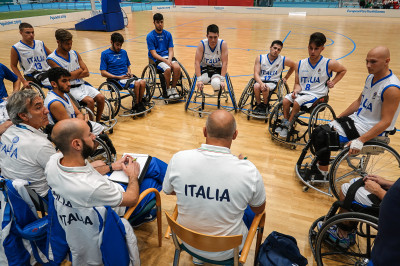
[158, 17]
[318, 39]
[25, 25]
[56, 73]
[117, 37]
[63, 35]
[278, 42]
[212, 28]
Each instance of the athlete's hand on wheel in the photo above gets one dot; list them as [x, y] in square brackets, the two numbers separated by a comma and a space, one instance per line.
[200, 85]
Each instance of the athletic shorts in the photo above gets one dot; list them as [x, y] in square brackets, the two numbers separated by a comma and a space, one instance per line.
[122, 82]
[361, 194]
[163, 66]
[96, 128]
[306, 100]
[82, 91]
[206, 79]
[271, 85]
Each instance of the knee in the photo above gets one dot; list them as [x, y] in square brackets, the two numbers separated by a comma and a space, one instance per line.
[99, 98]
[257, 88]
[176, 68]
[88, 100]
[167, 71]
[143, 83]
[216, 84]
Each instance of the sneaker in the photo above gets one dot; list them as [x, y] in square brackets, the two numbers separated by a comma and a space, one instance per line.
[278, 129]
[333, 236]
[258, 109]
[170, 95]
[283, 133]
[141, 107]
[175, 93]
[318, 174]
[196, 261]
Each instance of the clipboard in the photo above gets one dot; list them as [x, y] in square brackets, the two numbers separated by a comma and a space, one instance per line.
[121, 177]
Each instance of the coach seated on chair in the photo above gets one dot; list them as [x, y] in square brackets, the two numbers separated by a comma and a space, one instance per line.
[25, 149]
[70, 170]
[217, 193]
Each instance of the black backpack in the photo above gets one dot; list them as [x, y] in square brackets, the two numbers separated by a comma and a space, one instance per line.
[280, 250]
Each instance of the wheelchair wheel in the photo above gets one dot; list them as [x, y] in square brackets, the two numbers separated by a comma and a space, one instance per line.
[112, 94]
[275, 119]
[282, 89]
[247, 92]
[184, 82]
[374, 158]
[101, 153]
[108, 112]
[231, 91]
[38, 89]
[359, 252]
[149, 75]
[322, 114]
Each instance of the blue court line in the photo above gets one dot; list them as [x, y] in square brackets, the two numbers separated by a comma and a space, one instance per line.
[286, 36]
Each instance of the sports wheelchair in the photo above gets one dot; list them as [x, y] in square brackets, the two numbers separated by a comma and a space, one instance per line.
[362, 224]
[226, 94]
[115, 94]
[150, 73]
[320, 113]
[376, 157]
[276, 96]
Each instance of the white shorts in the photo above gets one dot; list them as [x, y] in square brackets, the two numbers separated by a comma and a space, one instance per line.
[122, 82]
[3, 112]
[361, 194]
[82, 91]
[163, 66]
[206, 79]
[96, 128]
[302, 99]
[271, 85]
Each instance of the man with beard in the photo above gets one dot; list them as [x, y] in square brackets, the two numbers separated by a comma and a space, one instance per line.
[25, 149]
[69, 59]
[59, 103]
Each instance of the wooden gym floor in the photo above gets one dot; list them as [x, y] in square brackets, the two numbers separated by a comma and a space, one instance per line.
[169, 129]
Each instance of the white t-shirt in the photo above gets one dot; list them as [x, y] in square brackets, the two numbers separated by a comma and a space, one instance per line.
[71, 64]
[211, 57]
[24, 154]
[271, 71]
[67, 103]
[213, 188]
[33, 58]
[83, 186]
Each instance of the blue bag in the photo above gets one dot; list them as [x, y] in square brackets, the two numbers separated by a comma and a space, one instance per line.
[280, 250]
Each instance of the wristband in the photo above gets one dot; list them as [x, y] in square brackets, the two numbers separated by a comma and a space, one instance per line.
[110, 166]
[356, 144]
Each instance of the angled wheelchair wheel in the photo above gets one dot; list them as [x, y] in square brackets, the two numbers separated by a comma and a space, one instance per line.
[375, 158]
[38, 89]
[275, 119]
[112, 94]
[282, 89]
[328, 252]
[149, 75]
[247, 92]
[184, 82]
[322, 114]
[231, 91]
[101, 153]
[108, 112]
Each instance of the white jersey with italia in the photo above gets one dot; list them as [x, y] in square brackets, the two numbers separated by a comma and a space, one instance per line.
[211, 57]
[271, 71]
[67, 103]
[33, 58]
[370, 110]
[70, 64]
[313, 78]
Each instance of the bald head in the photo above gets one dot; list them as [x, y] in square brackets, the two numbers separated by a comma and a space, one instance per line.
[380, 51]
[67, 130]
[221, 124]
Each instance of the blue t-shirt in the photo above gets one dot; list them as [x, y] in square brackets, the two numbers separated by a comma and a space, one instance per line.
[386, 249]
[159, 42]
[115, 63]
[5, 73]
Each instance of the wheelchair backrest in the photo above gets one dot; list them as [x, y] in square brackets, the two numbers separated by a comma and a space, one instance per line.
[93, 234]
